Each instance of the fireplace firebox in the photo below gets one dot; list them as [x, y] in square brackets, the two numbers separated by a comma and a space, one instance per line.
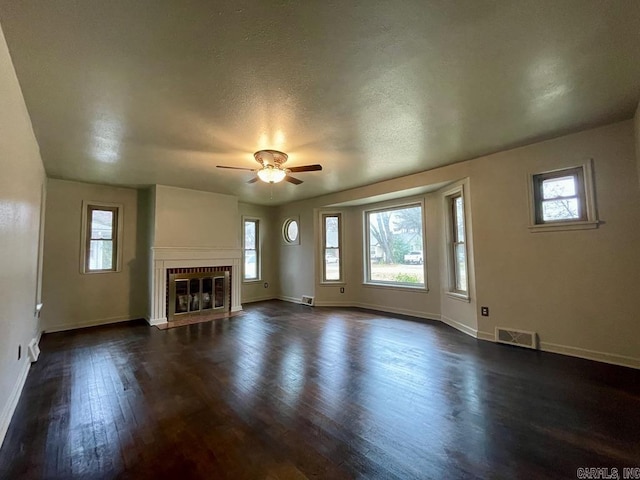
[197, 293]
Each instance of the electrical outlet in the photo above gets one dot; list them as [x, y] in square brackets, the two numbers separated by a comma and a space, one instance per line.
[484, 311]
[266, 284]
[341, 289]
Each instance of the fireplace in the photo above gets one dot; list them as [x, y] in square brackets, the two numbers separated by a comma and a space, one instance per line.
[197, 291]
[181, 261]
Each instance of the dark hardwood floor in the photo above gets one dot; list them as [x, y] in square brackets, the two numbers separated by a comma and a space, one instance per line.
[286, 391]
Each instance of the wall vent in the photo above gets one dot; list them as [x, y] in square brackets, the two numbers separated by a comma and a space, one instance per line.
[521, 338]
[307, 300]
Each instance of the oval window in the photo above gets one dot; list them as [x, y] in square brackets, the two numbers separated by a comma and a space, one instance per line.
[290, 230]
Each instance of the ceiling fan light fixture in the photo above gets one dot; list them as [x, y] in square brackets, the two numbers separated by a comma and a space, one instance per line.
[269, 174]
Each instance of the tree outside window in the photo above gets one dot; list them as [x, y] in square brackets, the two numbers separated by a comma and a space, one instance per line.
[396, 245]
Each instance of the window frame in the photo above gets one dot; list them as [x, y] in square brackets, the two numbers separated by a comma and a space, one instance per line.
[285, 235]
[257, 250]
[41, 226]
[451, 241]
[323, 251]
[585, 194]
[419, 287]
[117, 235]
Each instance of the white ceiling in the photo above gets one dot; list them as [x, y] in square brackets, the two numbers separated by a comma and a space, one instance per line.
[142, 92]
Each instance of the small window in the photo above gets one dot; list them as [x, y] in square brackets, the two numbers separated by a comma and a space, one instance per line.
[560, 196]
[102, 232]
[563, 198]
[395, 246]
[290, 231]
[251, 252]
[457, 245]
[331, 263]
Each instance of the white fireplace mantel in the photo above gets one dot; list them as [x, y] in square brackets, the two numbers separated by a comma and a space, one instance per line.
[163, 258]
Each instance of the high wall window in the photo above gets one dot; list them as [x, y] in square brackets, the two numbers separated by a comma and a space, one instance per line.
[102, 227]
[563, 199]
[291, 231]
[251, 252]
[395, 246]
[331, 243]
[458, 273]
[560, 196]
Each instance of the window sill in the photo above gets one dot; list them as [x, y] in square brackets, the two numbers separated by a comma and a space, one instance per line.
[563, 226]
[331, 284]
[458, 296]
[254, 280]
[404, 288]
[97, 272]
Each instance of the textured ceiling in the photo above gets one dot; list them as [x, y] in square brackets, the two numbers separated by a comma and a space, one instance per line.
[142, 92]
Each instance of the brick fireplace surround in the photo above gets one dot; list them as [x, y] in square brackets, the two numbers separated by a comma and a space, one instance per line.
[165, 258]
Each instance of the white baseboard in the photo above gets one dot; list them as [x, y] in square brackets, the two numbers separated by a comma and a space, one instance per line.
[155, 321]
[378, 308]
[91, 323]
[288, 299]
[459, 326]
[488, 336]
[260, 299]
[613, 358]
[399, 311]
[334, 303]
[12, 402]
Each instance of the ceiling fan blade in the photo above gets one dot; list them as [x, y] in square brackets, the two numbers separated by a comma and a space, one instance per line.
[306, 168]
[253, 180]
[293, 180]
[236, 168]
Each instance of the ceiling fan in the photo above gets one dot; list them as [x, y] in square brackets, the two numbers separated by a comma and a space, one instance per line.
[271, 170]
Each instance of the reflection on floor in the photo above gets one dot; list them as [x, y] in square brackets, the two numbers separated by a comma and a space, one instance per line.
[192, 320]
[287, 391]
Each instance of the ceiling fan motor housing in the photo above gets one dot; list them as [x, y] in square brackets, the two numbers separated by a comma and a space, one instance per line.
[270, 157]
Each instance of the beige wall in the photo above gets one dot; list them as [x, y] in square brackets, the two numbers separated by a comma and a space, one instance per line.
[297, 262]
[268, 229]
[190, 218]
[74, 299]
[576, 289]
[637, 134]
[21, 184]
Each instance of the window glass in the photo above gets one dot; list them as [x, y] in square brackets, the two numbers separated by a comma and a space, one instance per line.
[250, 234]
[459, 218]
[395, 245]
[331, 237]
[101, 224]
[461, 267]
[565, 209]
[292, 231]
[559, 187]
[100, 244]
[250, 250]
[458, 275]
[559, 196]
